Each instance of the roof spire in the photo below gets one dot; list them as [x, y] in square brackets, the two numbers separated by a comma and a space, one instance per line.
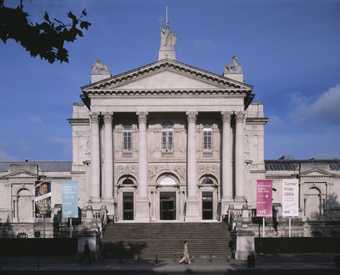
[166, 16]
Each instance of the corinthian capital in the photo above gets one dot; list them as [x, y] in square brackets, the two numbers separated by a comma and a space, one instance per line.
[240, 117]
[142, 117]
[107, 117]
[191, 117]
[94, 117]
[226, 116]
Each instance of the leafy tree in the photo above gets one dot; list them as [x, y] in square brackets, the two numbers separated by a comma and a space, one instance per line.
[45, 39]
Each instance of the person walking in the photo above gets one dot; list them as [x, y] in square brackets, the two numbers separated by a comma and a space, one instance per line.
[186, 255]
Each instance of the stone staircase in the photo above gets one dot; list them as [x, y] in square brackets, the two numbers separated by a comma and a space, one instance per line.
[164, 241]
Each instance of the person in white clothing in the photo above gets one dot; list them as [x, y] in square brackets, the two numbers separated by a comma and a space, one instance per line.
[186, 255]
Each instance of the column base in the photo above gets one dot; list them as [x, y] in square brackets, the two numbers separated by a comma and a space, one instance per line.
[192, 212]
[142, 210]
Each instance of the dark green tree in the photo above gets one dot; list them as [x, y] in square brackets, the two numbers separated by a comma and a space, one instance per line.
[45, 39]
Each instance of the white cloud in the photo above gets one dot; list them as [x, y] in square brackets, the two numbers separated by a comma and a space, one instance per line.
[326, 107]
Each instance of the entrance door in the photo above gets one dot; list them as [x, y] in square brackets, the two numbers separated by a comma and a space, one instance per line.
[127, 205]
[167, 205]
[207, 205]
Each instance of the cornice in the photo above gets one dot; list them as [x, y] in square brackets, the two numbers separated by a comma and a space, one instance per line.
[72, 121]
[165, 93]
[257, 120]
[167, 65]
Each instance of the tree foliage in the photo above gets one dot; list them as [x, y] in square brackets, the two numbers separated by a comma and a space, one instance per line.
[45, 39]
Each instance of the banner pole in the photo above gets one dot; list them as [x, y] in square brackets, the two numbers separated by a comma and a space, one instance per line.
[290, 227]
[263, 225]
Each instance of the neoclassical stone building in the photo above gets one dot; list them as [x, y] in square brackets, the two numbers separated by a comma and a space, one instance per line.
[165, 142]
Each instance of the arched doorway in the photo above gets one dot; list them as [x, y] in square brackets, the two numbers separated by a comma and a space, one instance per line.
[126, 195]
[313, 203]
[25, 205]
[167, 187]
[209, 206]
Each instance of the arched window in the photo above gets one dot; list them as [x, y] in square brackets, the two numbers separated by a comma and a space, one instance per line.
[127, 181]
[167, 179]
[207, 181]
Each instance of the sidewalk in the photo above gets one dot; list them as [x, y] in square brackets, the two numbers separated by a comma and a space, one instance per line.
[263, 263]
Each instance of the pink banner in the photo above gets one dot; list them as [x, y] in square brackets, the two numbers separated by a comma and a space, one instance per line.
[264, 198]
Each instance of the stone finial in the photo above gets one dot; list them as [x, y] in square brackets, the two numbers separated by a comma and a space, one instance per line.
[234, 70]
[168, 42]
[99, 71]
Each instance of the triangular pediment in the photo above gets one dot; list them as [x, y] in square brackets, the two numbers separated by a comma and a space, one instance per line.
[167, 75]
[316, 173]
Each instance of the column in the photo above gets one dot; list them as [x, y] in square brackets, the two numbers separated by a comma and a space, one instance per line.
[193, 207]
[142, 202]
[95, 161]
[108, 158]
[227, 165]
[239, 156]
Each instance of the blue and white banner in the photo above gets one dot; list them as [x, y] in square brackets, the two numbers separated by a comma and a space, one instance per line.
[70, 199]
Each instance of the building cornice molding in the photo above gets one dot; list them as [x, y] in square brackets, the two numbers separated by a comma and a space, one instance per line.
[73, 121]
[166, 92]
[167, 65]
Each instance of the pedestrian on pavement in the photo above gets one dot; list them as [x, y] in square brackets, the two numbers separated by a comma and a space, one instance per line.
[186, 255]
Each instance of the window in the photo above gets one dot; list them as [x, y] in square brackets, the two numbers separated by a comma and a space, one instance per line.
[167, 139]
[127, 139]
[207, 139]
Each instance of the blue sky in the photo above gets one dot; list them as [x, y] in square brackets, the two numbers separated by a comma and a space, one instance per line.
[289, 49]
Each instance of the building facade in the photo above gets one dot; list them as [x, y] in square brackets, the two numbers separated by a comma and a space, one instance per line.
[165, 142]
